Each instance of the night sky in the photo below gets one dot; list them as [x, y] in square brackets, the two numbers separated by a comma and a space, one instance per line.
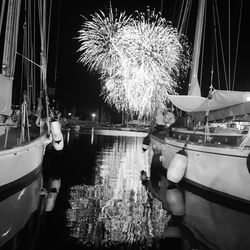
[76, 87]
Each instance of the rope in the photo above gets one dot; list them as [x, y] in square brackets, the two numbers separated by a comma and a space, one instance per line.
[57, 39]
[29, 60]
[229, 44]
[221, 44]
[161, 6]
[1, 16]
[187, 141]
[246, 138]
[237, 45]
[216, 47]
[203, 45]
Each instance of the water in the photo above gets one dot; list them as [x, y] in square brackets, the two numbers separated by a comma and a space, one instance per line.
[102, 203]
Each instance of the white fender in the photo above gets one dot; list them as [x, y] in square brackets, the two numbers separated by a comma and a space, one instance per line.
[177, 167]
[146, 142]
[57, 136]
[175, 201]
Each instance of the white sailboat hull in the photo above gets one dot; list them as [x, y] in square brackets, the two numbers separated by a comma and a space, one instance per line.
[20, 161]
[218, 168]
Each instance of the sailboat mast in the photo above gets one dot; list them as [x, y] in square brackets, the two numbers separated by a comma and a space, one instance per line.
[43, 56]
[194, 88]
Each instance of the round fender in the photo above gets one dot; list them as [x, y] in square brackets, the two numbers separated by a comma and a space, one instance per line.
[146, 142]
[177, 167]
[57, 136]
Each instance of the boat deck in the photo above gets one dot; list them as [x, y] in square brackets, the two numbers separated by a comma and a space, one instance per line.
[12, 137]
[229, 139]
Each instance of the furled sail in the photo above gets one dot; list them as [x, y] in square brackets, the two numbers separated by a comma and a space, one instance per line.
[5, 95]
[222, 104]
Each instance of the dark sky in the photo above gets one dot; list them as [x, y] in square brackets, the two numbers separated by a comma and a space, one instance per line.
[77, 87]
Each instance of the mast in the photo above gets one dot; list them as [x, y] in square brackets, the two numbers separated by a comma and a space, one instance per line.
[44, 56]
[194, 88]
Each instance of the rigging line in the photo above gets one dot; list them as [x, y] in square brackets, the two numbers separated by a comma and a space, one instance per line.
[15, 32]
[29, 47]
[237, 45]
[180, 15]
[221, 44]
[49, 26]
[216, 47]
[29, 60]
[189, 14]
[40, 22]
[161, 6]
[34, 55]
[25, 51]
[1, 16]
[212, 59]
[203, 43]
[57, 39]
[31, 55]
[184, 18]
[229, 44]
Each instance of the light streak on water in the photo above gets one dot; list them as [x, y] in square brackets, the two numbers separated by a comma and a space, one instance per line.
[117, 209]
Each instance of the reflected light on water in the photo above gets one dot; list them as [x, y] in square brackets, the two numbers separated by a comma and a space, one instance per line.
[117, 209]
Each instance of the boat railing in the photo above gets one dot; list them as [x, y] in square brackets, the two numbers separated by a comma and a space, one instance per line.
[231, 139]
[6, 128]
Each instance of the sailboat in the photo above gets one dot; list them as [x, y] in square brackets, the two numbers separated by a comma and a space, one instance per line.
[24, 131]
[208, 154]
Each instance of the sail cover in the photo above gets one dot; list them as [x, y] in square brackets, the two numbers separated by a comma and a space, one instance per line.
[5, 95]
[222, 104]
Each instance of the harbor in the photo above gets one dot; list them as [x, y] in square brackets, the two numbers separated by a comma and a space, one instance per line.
[102, 202]
[124, 125]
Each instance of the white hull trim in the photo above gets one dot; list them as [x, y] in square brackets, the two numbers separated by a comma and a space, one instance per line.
[19, 161]
[219, 168]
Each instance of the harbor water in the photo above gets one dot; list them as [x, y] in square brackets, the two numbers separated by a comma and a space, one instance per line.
[94, 197]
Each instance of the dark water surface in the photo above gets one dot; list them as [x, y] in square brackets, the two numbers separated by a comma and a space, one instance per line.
[103, 204]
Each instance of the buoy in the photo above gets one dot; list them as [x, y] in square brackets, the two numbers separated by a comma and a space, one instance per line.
[248, 162]
[146, 142]
[175, 201]
[177, 167]
[57, 136]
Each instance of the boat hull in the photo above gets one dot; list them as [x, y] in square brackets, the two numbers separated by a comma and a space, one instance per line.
[217, 226]
[21, 162]
[217, 168]
[17, 209]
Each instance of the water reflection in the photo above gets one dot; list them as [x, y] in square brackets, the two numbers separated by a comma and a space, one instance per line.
[129, 202]
[117, 209]
[16, 213]
[197, 222]
[215, 225]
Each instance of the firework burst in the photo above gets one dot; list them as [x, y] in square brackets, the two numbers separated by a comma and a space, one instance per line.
[138, 58]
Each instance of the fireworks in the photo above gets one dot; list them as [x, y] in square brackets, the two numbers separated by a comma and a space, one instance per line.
[138, 58]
